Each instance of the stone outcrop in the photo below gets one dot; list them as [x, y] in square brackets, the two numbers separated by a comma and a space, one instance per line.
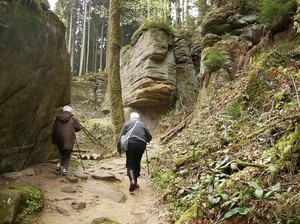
[233, 34]
[148, 71]
[88, 95]
[14, 200]
[35, 82]
[224, 20]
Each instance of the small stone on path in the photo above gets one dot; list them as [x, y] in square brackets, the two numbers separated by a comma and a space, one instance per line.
[61, 210]
[28, 172]
[68, 189]
[79, 205]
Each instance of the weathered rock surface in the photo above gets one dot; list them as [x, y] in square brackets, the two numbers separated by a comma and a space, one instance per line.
[14, 200]
[10, 205]
[224, 20]
[35, 80]
[88, 95]
[148, 71]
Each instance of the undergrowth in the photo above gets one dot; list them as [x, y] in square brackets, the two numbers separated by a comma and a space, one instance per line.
[239, 162]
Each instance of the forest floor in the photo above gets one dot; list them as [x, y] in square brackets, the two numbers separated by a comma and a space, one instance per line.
[100, 190]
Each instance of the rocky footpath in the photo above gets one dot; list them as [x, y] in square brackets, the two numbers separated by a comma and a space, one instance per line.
[99, 192]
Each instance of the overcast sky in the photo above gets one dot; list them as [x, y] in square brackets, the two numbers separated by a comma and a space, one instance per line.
[52, 3]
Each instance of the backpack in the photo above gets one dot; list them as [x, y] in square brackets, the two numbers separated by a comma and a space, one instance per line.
[125, 138]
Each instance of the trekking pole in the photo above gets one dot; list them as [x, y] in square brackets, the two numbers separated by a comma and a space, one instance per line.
[80, 154]
[147, 160]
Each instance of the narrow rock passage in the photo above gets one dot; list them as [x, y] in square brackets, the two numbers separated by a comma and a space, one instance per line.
[99, 191]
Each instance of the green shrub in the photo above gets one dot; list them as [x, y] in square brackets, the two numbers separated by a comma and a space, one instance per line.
[234, 110]
[273, 11]
[214, 60]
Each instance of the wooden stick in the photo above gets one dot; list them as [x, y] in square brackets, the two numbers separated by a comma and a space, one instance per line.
[147, 160]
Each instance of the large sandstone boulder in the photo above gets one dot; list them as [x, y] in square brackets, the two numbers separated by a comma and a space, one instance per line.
[224, 20]
[35, 80]
[148, 71]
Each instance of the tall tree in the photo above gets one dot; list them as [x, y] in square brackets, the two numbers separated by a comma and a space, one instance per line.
[186, 9]
[72, 43]
[70, 24]
[83, 40]
[114, 81]
[102, 47]
[178, 13]
[88, 39]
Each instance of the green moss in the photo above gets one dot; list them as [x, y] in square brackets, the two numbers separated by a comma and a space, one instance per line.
[287, 144]
[234, 109]
[32, 200]
[103, 221]
[191, 214]
[26, 19]
[258, 87]
[33, 193]
[148, 25]
[262, 85]
[8, 211]
[179, 161]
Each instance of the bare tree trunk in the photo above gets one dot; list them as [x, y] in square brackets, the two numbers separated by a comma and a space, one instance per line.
[72, 41]
[186, 9]
[83, 41]
[165, 11]
[88, 39]
[114, 82]
[178, 12]
[67, 34]
[95, 50]
[183, 11]
[101, 48]
[70, 26]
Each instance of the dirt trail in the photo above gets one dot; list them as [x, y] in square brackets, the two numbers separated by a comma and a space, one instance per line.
[100, 197]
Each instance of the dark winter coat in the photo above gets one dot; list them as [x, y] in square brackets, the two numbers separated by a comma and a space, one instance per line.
[64, 128]
[139, 134]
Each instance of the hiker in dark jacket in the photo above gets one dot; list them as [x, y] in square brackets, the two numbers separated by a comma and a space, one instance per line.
[136, 147]
[63, 135]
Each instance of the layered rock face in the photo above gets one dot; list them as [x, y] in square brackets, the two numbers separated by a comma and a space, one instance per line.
[148, 71]
[35, 82]
[88, 96]
[232, 34]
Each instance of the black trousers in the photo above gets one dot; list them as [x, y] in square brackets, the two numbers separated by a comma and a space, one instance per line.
[134, 156]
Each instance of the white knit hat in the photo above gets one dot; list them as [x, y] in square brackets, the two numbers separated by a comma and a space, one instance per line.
[67, 109]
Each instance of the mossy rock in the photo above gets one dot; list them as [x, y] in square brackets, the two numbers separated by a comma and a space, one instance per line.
[10, 205]
[103, 221]
[31, 193]
[190, 214]
[31, 201]
[19, 200]
[261, 82]
[179, 161]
